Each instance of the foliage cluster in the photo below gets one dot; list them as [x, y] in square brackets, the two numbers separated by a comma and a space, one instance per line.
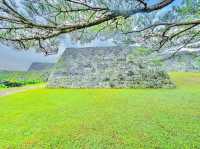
[17, 78]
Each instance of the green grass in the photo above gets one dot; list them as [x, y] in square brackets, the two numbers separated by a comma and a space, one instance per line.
[102, 118]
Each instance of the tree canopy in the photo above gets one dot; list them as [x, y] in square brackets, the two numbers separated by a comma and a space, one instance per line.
[40, 23]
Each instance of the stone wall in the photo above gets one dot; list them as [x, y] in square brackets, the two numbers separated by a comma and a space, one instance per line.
[184, 61]
[109, 67]
[36, 66]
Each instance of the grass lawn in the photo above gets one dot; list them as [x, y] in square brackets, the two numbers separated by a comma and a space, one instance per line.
[102, 118]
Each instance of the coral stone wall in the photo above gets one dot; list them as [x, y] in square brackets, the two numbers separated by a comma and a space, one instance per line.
[40, 66]
[108, 67]
[184, 61]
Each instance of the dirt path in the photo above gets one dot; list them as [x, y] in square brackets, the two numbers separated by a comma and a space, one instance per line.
[17, 90]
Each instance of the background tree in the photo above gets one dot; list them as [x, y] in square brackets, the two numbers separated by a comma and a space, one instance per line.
[177, 27]
[40, 23]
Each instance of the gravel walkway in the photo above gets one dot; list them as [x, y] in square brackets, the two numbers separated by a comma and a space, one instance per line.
[10, 91]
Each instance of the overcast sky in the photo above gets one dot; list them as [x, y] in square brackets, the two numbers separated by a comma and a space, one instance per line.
[12, 59]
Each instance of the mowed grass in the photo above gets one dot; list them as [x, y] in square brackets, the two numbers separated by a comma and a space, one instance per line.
[103, 118]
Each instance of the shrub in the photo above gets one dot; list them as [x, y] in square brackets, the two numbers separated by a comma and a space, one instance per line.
[15, 79]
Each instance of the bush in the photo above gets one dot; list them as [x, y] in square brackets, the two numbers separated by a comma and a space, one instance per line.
[6, 84]
[16, 79]
[2, 86]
